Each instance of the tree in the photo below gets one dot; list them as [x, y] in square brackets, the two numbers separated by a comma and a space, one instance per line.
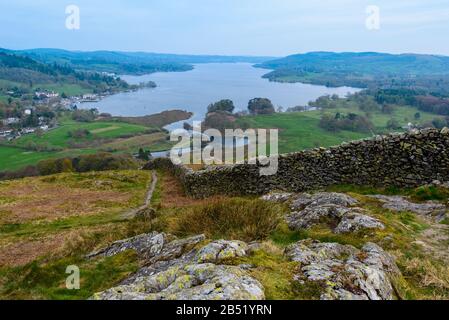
[261, 106]
[144, 155]
[393, 124]
[225, 105]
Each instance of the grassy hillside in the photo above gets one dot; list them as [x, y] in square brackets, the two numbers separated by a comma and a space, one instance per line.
[52, 222]
[301, 130]
[44, 231]
[100, 136]
[60, 136]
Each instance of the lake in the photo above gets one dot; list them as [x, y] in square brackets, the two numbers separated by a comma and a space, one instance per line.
[195, 90]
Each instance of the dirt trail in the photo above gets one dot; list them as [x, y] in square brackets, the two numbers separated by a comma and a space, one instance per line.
[132, 213]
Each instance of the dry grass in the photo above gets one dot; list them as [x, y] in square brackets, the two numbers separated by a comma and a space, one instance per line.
[171, 193]
[236, 218]
[43, 216]
[153, 141]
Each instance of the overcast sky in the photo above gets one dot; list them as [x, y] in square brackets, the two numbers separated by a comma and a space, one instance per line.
[231, 27]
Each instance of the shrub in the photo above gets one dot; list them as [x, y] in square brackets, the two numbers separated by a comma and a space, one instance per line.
[261, 106]
[222, 105]
[236, 218]
[104, 161]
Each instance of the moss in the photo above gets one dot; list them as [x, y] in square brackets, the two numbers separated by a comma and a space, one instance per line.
[274, 272]
[430, 193]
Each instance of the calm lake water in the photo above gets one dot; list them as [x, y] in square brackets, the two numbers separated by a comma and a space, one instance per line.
[195, 90]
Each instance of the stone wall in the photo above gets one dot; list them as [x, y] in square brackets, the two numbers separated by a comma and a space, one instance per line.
[402, 160]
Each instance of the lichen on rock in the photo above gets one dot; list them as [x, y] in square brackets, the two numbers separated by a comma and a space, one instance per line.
[430, 209]
[345, 272]
[334, 209]
[193, 275]
[221, 250]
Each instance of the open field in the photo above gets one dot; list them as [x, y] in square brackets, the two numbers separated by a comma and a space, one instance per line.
[58, 143]
[59, 137]
[301, 130]
[38, 216]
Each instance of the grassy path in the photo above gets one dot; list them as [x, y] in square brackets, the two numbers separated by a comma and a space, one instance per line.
[132, 213]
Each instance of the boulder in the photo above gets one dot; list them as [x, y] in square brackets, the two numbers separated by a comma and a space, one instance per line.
[322, 198]
[151, 247]
[193, 275]
[431, 209]
[191, 282]
[345, 272]
[334, 209]
[221, 250]
[145, 245]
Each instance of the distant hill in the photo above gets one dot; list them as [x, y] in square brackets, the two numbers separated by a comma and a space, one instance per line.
[22, 74]
[364, 62]
[365, 69]
[127, 62]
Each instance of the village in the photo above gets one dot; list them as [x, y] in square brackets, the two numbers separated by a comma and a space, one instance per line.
[39, 115]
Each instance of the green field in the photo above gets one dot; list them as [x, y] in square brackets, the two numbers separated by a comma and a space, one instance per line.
[104, 136]
[68, 89]
[300, 130]
[59, 137]
[12, 158]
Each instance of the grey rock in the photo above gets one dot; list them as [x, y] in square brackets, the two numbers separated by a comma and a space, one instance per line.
[190, 282]
[221, 250]
[333, 209]
[323, 198]
[145, 245]
[179, 272]
[345, 272]
[431, 209]
[151, 247]
[354, 222]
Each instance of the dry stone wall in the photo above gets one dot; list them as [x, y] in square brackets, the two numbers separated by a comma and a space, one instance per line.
[403, 160]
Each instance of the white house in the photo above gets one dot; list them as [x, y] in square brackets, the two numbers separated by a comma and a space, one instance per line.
[10, 121]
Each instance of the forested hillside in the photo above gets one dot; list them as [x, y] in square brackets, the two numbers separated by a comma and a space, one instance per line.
[19, 73]
[127, 62]
[427, 73]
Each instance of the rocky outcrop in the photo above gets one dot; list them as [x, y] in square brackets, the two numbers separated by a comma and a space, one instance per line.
[180, 272]
[333, 209]
[403, 160]
[151, 247]
[345, 272]
[322, 198]
[219, 251]
[146, 245]
[190, 282]
[430, 209]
